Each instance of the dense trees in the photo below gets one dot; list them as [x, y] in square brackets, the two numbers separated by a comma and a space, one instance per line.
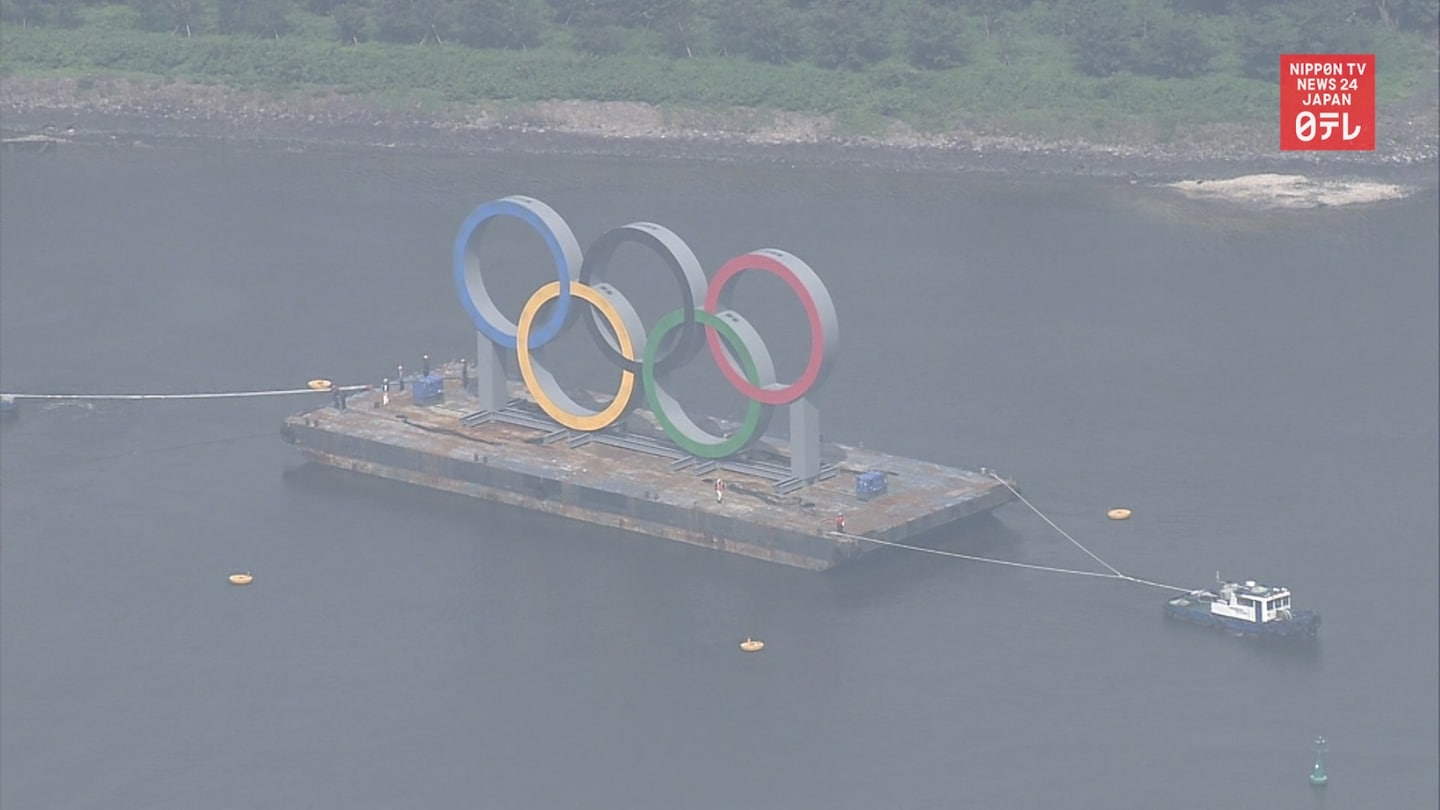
[1108, 36]
[1162, 38]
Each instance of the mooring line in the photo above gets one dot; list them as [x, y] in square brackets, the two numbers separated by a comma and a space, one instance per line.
[974, 558]
[281, 392]
[1065, 534]
[1114, 572]
[1161, 585]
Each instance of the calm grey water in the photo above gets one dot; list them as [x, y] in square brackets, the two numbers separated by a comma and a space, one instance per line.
[1260, 388]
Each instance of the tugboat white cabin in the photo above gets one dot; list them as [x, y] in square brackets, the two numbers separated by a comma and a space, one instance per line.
[1247, 608]
[1251, 602]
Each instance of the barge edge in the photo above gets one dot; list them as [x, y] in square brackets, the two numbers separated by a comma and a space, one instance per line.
[845, 549]
[526, 463]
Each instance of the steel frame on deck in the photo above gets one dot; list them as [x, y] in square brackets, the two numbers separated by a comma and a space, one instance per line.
[515, 414]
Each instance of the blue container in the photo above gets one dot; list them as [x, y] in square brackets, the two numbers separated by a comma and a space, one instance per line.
[871, 484]
[428, 390]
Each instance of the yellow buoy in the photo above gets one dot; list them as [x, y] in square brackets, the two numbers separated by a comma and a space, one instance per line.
[1118, 514]
[241, 579]
[751, 645]
[320, 385]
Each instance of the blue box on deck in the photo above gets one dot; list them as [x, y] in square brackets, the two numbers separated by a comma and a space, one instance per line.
[871, 484]
[428, 390]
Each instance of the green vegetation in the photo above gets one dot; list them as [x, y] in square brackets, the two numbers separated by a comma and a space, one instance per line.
[1044, 66]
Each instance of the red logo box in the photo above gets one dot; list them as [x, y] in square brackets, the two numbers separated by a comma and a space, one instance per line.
[1327, 102]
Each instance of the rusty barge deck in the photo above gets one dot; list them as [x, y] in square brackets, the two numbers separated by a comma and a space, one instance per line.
[637, 481]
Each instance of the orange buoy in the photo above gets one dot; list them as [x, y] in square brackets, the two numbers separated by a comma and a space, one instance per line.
[320, 385]
[241, 578]
[1118, 514]
[751, 645]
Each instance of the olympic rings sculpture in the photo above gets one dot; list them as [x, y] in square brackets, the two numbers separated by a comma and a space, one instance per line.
[703, 318]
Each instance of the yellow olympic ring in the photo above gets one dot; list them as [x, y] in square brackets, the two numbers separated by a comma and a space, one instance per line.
[542, 385]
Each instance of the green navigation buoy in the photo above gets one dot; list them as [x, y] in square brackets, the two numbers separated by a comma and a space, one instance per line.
[1318, 778]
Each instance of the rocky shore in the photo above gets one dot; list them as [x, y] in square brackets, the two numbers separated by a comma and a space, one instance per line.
[155, 110]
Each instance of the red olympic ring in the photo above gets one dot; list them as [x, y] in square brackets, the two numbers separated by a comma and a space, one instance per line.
[824, 335]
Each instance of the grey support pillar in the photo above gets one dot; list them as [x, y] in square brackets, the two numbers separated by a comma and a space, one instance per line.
[490, 385]
[804, 438]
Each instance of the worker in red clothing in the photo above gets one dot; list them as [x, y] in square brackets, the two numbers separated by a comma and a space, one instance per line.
[719, 490]
[840, 523]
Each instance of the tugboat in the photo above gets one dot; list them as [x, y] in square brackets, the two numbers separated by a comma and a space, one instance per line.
[1245, 609]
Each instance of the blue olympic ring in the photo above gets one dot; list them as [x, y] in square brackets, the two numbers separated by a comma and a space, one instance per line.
[468, 279]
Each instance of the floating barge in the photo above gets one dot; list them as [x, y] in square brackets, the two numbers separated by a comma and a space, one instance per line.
[631, 477]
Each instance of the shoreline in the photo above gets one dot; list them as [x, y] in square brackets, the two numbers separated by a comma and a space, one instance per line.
[112, 109]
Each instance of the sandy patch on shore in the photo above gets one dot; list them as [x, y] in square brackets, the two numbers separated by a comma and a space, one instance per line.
[1291, 191]
[107, 108]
